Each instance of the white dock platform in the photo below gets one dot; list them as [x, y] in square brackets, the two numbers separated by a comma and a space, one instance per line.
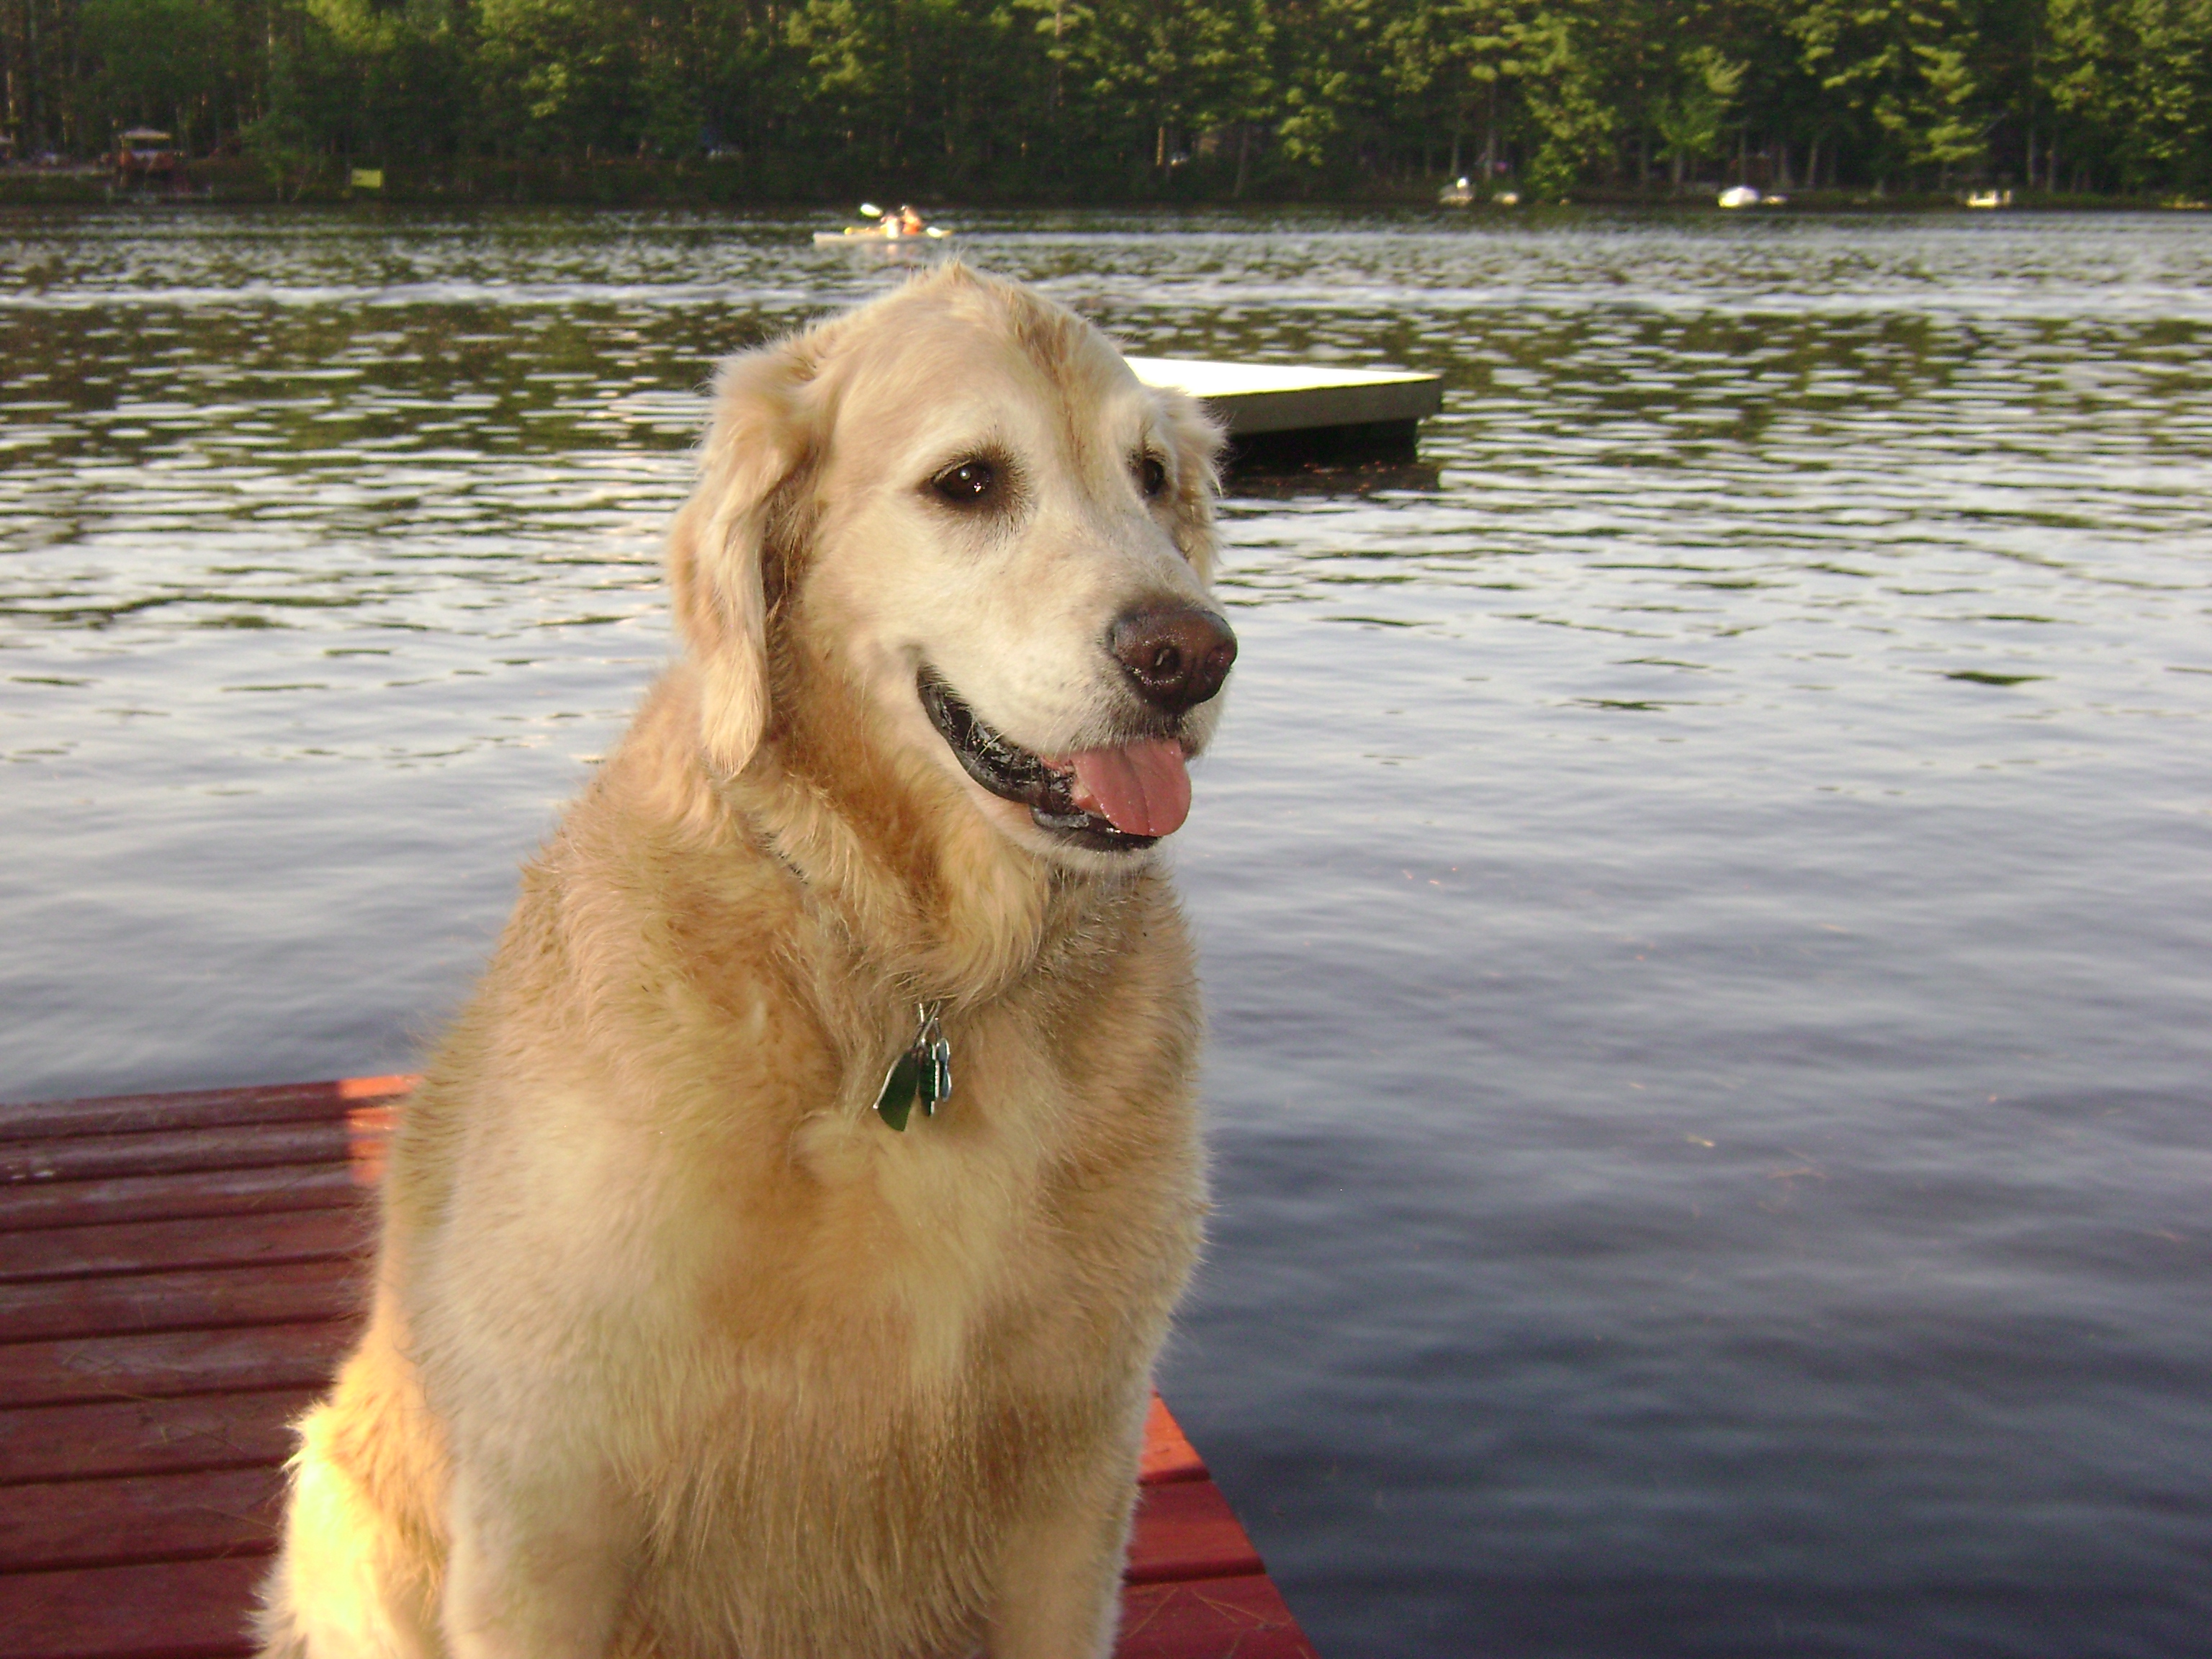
[1255, 398]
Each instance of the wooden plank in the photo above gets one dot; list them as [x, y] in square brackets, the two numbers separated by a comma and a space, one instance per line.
[369, 1137]
[160, 1518]
[196, 1610]
[86, 1372]
[1186, 1529]
[195, 1299]
[1218, 1618]
[172, 1151]
[135, 1247]
[197, 1108]
[149, 1436]
[1168, 1454]
[144, 1414]
[166, 1198]
[173, 1610]
[1215, 1619]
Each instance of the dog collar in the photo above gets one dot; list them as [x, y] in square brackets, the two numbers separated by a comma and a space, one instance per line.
[923, 1073]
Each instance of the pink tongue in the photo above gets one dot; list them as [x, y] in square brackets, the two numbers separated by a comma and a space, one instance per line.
[1141, 788]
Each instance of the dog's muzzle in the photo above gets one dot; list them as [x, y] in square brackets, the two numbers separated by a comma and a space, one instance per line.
[1114, 783]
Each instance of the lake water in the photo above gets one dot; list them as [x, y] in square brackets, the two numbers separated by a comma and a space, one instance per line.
[1705, 886]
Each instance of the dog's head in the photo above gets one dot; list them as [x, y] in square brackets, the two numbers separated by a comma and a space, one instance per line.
[993, 539]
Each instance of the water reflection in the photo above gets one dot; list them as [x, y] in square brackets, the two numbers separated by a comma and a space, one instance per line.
[1702, 883]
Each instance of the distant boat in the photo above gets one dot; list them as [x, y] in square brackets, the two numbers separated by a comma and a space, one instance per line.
[1738, 195]
[876, 236]
[1990, 199]
[904, 226]
[1461, 193]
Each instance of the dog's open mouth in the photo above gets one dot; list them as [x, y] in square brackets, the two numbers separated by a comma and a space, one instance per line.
[1114, 799]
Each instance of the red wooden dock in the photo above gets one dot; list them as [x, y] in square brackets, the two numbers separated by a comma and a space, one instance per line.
[178, 1274]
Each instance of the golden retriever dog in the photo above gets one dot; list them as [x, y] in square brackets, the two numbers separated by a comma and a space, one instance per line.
[712, 1316]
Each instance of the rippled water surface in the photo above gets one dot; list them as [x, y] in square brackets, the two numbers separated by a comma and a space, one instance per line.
[1705, 884]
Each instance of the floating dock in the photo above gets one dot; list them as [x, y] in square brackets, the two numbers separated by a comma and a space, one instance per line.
[178, 1275]
[1305, 415]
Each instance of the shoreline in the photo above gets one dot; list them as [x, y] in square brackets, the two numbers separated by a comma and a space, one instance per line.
[735, 184]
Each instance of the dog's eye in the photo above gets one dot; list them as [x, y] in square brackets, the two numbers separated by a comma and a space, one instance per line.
[967, 483]
[1151, 477]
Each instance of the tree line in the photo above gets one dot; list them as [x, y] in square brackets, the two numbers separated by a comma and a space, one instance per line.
[1126, 99]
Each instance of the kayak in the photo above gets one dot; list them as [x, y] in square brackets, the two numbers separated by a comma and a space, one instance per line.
[872, 234]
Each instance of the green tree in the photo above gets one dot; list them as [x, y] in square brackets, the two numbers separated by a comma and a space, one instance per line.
[1107, 97]
[1465, 56]
[560, 77]
[1567, 89]
[160, 63]
[1169, 68]
[375, 79]
[2133, 81]
[1903, 71]
[1689, 120]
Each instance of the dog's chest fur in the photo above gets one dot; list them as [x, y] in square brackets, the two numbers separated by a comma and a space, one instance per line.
[646, 1176]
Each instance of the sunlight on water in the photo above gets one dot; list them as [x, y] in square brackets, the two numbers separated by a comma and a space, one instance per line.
[1704, 884]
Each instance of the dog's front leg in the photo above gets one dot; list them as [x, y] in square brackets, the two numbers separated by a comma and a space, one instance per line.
[537, 1567]
[1059, 1579]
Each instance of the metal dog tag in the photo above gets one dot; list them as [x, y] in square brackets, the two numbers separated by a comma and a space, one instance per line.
[901, 1084]
[940, 1073]
[923, 1073]
[936, 1054]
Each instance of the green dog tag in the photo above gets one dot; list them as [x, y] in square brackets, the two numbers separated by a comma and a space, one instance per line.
[923, 1073]
[902, 1087]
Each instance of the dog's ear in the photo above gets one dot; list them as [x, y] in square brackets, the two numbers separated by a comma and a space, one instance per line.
[720, 542]
[1197, 440]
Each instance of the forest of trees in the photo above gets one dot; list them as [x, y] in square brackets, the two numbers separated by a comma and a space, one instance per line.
[1135, 99]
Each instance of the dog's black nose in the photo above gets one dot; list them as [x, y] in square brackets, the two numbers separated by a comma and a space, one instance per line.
[1176, 655]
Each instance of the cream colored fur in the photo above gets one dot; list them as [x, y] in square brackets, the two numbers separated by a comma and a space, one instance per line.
[677, 1349]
